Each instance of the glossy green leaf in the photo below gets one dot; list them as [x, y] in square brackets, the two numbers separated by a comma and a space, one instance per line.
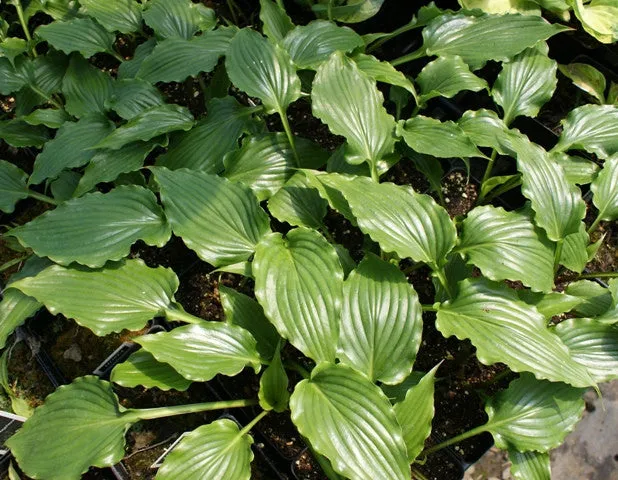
[383, 72]
[533, 414]
[12, 186]
[525, 83]
[121, 296]
[124, 16]
[175, 59]
[10, 78]
[44, 74]
[487, 37]
[350, 421]
[97, 227]
[596, 299]
[593, 128]
[485, 129]
[15, 309]
[178, 18]
[549, 304]
[18, 133]
[142, 369]
[273, 392]
[399, 219]
[447, 76]
[216, 450]
[351, 11]
[218, 219]
[72, 147]
[527, 7]
[203, 147]
[579, 170]
[599, 18]
[12, 47]
[50, 117]
[504, 245]
[504, 329]
[605, 190]
[312, 44]
[298, 282]
[265, 162]
[199, 352]
[586, 77]
[129, 68]
[574, 255]
[381, 322]
[529, 465]
[440, 139]
[262, 70]
[133, 96]
[397, 393]
[85, 88]
[275, 21]
[298, 203]
[82, 35]
[84, 418]
[149, 124]
[415, 413]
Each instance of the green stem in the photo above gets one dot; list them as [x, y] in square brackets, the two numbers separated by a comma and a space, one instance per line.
[378, 43]
[557, 255]
[595, 224]
[10, 263]
[161, 412]
[374, 172]
[290, 135]
[599, 275]
[24, 25]
[297, 367]
[330, 10]
[176, 313]
[409, 57]
[429, 308]
[45, 96]
[231, 6]
[510, 185]
[253, 423]
[490, 165]
[325, 465]
[459, 438]
[41, 197]
[416, 475]
[441, 274]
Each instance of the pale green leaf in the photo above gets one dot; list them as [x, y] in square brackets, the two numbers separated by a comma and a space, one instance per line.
[447, 76]
[298, 203]
[596, 299]
[199, 352]
[72, 147]
[142, 369]
[262, 70]
[15, 309]
[533, 414]
[129, 68]
[178, 18]
[381, 322]
[599, 18]
[273, 393]
[505, 329]
[529, 465]
[130, 97]
[605, 190]
[550, 304]
[97, 227]
[526, 7]
[612, 94]
[586, 77]
[383, 72]
[18, 133]
[574, 255]
[352, 11]
[218, 219]
[121, 296]
[214, 451]
[275, 21]
[350, 421]
[149, 124]
[312, 44]
[82, 35]
[50, 117]
[525, 83]
[578, 169]
[85, 88]
[504, 245]
[12, 186]
[124, 16]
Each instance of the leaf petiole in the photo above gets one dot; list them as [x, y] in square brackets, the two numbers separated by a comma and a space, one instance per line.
[290, 135]
[41, 197]
[134, 415]
[459, 438]
[176, 313]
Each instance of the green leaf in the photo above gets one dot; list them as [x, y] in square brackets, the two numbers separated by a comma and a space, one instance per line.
[415, 413]
[133, 96]
[149, 124]
[440, 139]
[15, 309]
[276, 23]
[273, 392]
[62, 188]
[477, 39]
[399, 219]
[82, 35]
[45, 73]
[359, 115]
[574, 255]
[529, 465]
[504, 245]
[124, 16]
[533, 414]
[97, 227]
[526, 7]
[142, 369]
[353, 11]
[203, 147]
[129, 68]
[12, 47]
[178, 18]
[578, 170]
[596, 299]
[550, 304]
[218, 219]
[10, 78]
[72, 147]
[599, 18]
[121, 296]
[19, 134]
[216, 450]
[298, 203]
[199, 352]
[525, 83]
[312, 44]
[586, 77]
[485, 129]
[605, 190]
[83, 418]
[85, 88]
[593, 128]
[447, 76]
[175, 59]
[381, 321]
[504, 329]
[265, 162]
[50, 117]
[298, 282]
[383, 72]
[350, 421]
[12, 186]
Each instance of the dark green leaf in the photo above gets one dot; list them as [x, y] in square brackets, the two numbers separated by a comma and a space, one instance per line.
[12, 186]
[12, 47]
[298, 203]
[124, 16]
[82, 35]
[447, 76]
[273, 392]
[85, 88]
[276, 23]
[10, 78]
[50, 117]
[18, 133]
[178, 18]
[62, 188]
[131, 97]
[142, 369]
[129, 68]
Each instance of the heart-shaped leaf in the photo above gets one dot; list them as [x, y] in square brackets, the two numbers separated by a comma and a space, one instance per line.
[96, 228]
[298, 282]
[121, 296]
[381, 322]
[273, 392]
[276, 23]
[599, 18]
[605, 190]
[298, 203]
[504, 329]
[83, 35]
[142, 369]
[85, 88]
[124, 16]
[350, 421]
[178, 18]
[220, 220]
[12, 186]
[529, 465]
[447, 76]
[133, 96]
[199, 352]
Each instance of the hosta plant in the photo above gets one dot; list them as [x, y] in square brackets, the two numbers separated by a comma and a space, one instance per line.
[331, 335]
